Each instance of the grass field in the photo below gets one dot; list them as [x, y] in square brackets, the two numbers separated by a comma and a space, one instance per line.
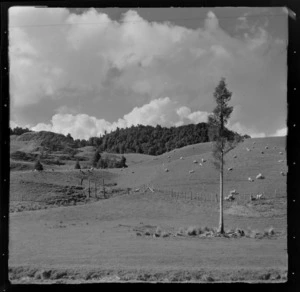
[114, 239]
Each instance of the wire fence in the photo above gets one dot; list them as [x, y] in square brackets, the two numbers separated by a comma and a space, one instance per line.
[211, 197]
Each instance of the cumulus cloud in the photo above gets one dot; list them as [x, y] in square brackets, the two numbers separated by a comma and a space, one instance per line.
[243, 130]
[114, 66]
[280, 132]
[162, 111]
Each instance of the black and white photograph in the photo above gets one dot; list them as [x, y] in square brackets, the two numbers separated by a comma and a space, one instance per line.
[148, 144]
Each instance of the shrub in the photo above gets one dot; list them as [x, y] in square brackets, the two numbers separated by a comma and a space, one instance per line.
[77, 165]
[194, 230]
[96, 158]
[158, 231]
[38, 165]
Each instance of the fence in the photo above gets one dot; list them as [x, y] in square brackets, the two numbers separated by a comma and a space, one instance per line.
[93, 189]
[210, 197]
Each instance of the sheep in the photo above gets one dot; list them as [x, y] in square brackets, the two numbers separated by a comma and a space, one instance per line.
[282, 173]
[200, 164]
[234, 156]
[166, 170]
[252, 198]
[259, 196]
[191, 171]
[260, 176]
[262, 152]
[266, 147]
[233, 192]
[229, 198]
[136, 190]
[280, 160]
[253, 143]
[280, 153]
[203, 160]
[248, 149]
[181, 157]
[250, 179]
[195, 161]
[230, 168]
[169, 156]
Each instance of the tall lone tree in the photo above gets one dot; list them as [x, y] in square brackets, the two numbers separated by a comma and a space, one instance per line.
[222, 144]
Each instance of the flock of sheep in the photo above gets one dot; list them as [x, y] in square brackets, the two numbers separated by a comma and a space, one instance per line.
[232, 193]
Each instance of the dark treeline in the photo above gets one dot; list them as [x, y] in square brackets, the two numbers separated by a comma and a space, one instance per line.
[18, 131]
[143, 139]
[155, 140]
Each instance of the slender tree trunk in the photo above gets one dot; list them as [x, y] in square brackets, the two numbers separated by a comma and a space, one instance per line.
[221, 221]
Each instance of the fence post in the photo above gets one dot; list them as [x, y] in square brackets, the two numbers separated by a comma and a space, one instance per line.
[89, 192]
[103, 186]
[95, 190]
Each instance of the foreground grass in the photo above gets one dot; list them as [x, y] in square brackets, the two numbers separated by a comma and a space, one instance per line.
[24, 274]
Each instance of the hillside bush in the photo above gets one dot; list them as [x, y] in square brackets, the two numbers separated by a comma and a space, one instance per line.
[77, 165]
[38, 165]
[20, 155]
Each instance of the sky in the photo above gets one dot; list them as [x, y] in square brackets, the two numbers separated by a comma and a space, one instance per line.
[87, 71]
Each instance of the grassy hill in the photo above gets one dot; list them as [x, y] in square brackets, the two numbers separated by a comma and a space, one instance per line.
[98, 239]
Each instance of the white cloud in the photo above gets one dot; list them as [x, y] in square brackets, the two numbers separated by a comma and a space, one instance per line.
[280, 132]
[91, 58]
[162, 111]
[241, 129]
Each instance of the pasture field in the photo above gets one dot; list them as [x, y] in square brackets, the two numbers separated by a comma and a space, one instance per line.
[143, 229]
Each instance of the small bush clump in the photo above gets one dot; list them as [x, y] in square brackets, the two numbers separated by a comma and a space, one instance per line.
[38, 165]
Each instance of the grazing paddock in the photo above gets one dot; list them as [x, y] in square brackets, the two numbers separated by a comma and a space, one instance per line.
[156, 231]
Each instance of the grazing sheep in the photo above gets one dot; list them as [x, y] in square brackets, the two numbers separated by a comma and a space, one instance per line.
[166, 170]
[136, 190]
[195, 161]
[260, 176]
[248, 149]
[250, 179]
[280, 153]
[229, 198]
[191, 171]
[262, 152]
[169, 156]
[203, 160]
[280, 160]
[266, 147]
[252, 198]
[259, 196]
[200, 164]
[181, 157]
[230, 168]
[233, 192]
[282, 173]
[234, 156]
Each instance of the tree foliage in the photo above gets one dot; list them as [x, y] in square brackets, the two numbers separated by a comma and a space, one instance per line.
[18, 131]
[38, 165]
[96, 158]
[224, 139]
[77, 165]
